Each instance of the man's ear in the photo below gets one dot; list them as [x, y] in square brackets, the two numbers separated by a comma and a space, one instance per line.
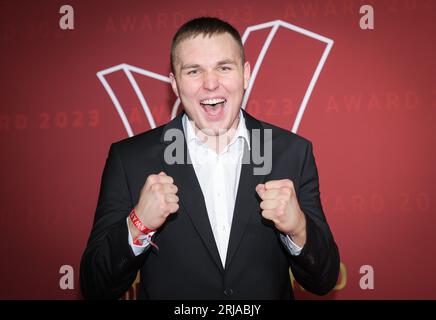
[247, 74]
[174, 84]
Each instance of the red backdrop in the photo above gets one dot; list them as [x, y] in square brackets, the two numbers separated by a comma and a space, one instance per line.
[370, 117]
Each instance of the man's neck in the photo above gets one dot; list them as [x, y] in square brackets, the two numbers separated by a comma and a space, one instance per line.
[219, 141]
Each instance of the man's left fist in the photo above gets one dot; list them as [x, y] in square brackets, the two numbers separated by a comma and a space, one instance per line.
[280, 205]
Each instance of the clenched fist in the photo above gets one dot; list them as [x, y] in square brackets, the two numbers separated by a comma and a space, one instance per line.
[157, 201]
[280, 205]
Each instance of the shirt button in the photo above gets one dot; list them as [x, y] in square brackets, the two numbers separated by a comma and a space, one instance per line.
[228, 292]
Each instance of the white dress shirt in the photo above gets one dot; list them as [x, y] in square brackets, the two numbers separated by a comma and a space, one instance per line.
[218, 176]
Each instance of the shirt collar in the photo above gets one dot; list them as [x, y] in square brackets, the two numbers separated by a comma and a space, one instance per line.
[241, 131]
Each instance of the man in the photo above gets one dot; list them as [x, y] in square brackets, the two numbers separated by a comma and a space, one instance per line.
[209, 227]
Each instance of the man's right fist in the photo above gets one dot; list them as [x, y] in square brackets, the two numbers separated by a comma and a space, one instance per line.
[157, 201]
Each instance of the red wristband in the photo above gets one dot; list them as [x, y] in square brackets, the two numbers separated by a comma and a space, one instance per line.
[138, 224]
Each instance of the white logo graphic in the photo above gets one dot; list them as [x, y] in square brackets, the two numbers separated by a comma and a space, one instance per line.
[274, 25]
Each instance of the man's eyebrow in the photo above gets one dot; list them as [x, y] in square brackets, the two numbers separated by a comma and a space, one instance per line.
[226, 61]
[190, 66]
[219, 63]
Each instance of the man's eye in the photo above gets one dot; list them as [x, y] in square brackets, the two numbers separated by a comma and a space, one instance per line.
[192, 72]
[224, 68]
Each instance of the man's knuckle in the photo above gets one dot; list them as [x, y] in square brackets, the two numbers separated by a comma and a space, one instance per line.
[289, 183]
[151, 179]
[156, 187]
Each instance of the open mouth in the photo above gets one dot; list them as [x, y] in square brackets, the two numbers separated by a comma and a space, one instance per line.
[214, 106]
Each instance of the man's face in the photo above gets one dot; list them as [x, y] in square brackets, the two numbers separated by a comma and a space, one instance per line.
[210, 81]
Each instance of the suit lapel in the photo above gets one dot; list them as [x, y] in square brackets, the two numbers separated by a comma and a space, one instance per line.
[189, 192]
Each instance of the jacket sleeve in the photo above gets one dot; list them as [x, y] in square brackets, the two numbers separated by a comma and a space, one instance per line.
[316, 268]
[108, 266]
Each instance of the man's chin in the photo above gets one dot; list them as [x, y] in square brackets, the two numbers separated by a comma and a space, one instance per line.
[213, 132]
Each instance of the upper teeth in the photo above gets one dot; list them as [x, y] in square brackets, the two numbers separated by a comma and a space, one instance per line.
[212, 101]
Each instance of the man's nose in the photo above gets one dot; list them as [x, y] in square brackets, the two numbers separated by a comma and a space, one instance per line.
[210, 81]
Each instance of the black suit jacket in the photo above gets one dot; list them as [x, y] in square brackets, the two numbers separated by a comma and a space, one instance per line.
[187, 264]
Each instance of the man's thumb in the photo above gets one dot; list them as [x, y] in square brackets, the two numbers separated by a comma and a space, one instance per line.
[162, 173]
